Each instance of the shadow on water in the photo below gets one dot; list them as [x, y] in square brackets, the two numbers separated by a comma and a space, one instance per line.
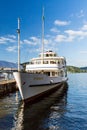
[40, 115]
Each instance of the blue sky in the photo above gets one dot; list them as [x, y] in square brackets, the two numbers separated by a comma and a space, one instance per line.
[65, 29]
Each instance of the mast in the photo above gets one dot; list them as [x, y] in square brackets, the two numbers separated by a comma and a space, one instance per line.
[43, 36]
[18, 31]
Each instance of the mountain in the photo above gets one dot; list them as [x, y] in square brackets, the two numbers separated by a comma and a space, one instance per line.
[6, 64]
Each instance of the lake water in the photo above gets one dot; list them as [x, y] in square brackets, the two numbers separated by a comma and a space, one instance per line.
[51, 113]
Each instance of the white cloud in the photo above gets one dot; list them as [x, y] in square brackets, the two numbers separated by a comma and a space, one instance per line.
[12, 36]
[8, 38]
[47, 41]
[54, 30]
[11, 48]
[84, 27]
[27, 42]
[63, 38]
[60, 38]
[2, 40]
[33, 41]
[61, 23]
[73, 34]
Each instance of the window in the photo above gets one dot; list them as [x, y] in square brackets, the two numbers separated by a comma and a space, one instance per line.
[53, 73]
[50, 55]
[52, 62]
[47, 73]
[45, 62]
[54, 54]
[47, 55]
[58, 62]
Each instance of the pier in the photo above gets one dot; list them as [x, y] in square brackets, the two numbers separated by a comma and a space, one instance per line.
[7, 86]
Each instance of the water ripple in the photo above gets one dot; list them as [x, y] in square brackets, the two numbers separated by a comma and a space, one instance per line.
[54, 112]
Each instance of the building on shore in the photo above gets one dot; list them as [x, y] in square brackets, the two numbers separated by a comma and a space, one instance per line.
[6, 70]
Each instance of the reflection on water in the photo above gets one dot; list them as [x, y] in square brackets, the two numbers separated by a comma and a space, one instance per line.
[18, 118]
[8, 108]
[37, 116]
[54, 112]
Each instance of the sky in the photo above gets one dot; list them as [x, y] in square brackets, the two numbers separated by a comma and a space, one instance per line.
[65, 29]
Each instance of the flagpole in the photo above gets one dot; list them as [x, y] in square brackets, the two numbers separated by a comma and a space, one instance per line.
[43, 36]
[18, 31]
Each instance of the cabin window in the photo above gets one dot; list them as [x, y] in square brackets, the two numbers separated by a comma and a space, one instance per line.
[38, 62]
[52, 62]
[61, 73]
[47, 55]
[47, 73]
[53, 73]
[45, 62]
[56, 73]
[58, 62]
[54, 54]
[32, 62]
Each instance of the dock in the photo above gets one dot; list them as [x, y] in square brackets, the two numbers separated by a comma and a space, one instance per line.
[7, 86]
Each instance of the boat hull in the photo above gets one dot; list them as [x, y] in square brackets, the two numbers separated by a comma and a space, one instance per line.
[32, 86]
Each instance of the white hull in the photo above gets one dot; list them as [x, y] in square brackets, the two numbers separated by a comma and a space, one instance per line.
[32, 85]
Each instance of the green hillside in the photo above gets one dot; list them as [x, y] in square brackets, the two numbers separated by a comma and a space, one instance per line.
[74, 69]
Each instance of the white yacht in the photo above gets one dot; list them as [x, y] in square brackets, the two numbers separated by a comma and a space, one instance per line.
[41, 77]
[43, 74]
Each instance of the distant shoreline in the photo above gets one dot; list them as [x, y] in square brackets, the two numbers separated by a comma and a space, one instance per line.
[73, 69]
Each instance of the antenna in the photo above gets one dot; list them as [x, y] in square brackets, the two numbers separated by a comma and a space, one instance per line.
[43, 36]
[18, 31]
